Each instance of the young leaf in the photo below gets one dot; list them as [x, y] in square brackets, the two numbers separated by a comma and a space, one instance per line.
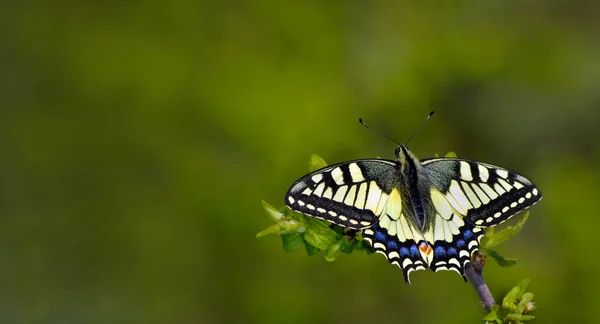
[275, 214]
[319, 235]
[451, 155]
[316, 162]
[515, 294]
[500, 260]
[335, 250]
[498, 237]
[291, 242]
[493, 316]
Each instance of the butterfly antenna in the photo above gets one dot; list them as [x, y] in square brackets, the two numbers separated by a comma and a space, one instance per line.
[420, 127]
[378, 132]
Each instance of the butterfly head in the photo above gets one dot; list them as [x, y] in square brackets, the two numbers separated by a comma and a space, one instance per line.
[406, 158]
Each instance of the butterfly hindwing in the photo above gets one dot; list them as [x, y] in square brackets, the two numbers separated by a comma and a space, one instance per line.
[350, 194]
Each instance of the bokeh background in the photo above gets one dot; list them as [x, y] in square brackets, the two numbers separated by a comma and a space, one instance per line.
[137, 140]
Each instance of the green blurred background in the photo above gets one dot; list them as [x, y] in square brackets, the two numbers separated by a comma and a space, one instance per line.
[138, 139]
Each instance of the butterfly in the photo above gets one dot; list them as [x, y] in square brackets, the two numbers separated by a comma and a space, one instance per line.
[419, 214]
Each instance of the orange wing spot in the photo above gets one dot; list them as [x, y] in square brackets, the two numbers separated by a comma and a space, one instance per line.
[425, 248]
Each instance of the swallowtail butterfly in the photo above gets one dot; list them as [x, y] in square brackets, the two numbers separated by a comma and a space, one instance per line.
[420, 214]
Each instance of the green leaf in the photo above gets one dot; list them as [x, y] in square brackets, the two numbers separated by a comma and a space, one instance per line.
[275, 214]
[500, 260]
[450, 155]
[493, 316]
[319, 235]
[291, 242]
[513, 296]
[311, 250]
[498, 237]
[316, 162]
[517, 318]
[348, 246]
[335, 250]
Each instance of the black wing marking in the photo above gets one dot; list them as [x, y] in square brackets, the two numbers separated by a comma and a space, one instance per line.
[485, 194]
[350, 194]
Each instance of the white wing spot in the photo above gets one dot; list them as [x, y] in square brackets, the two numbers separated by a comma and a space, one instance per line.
[301, 203]
[353, 221]
[465, 171]
[472, 197]
[350, 196]
[498, 214]
[374, 195]
[381, 203]
[360, 197]
[319, 190]
[291, 200]
[340, 193]
[317, 177]
[482, 196]
[338, 176]
[489, 219]
[479, 222]
[505, 184]
[406, 262]
[518, 185]
[328, 193]
[528, 195]
[502, 173]
[365, 223]
[483, 173]
[321, 210]
[332, 213]
[441, 204]
[459, 196]
[377, 245]
[473, 244]
[488, 190]
[499, 189]
[355, 173]
[513, 205]
[521, 200]
[535, 192]
[393, 255]
[311, 207]
[307, 192]
[505, 209]
[342, 217]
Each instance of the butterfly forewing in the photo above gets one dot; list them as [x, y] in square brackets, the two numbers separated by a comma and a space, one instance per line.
[350, 194]
[485, 194]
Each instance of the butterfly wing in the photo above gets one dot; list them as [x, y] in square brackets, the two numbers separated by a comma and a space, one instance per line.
[350, 194]
[486, 195]
[469, 196]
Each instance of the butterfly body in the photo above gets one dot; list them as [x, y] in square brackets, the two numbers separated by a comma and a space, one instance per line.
[418, 213]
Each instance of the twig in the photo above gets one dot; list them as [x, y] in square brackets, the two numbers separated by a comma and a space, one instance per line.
[474, 272]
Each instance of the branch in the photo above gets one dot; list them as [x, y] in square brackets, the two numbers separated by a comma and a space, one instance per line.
[474, 272]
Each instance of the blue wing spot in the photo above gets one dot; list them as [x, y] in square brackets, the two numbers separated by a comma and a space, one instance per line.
[439, 251]
[392, 245]
[380, 236]
[452, 251]
[404, 252]
[460, 243]
[467, 234]
[414, 252]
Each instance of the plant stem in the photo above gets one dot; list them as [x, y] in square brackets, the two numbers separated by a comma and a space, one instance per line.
[474, 271]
